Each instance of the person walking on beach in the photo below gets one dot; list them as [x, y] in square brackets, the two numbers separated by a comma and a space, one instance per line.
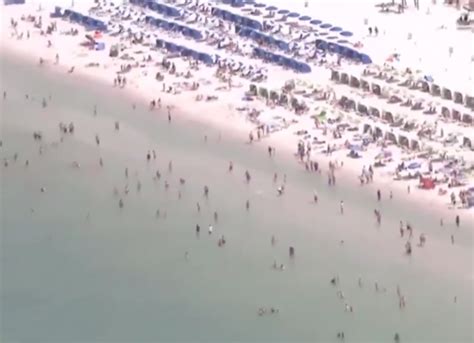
[379, 195]
[247, 205]
[341, 207]
[458, 221]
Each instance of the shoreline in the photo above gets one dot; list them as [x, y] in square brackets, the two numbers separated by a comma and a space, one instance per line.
[212, 114]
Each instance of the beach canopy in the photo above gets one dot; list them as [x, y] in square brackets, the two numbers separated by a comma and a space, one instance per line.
[282, 60]
[184, 51]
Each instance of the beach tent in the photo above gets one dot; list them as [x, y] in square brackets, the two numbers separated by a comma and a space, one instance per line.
[58, 13]
[205, 58]
[365, 59]
[160, 43]
[469, 101]
[186, 52]
[171, 47]
[467, 142]
[171, 11]
[446, 94]
[458, 97]
[237, 3]
[467, 118]
[282, 45]
[321, 44]
[193, 33]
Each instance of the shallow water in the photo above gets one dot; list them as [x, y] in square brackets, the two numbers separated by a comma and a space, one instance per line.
[121, 275]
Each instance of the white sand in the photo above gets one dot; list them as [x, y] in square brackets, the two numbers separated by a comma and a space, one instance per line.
[223, 113]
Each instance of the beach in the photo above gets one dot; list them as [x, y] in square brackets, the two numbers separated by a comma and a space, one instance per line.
[76, 266]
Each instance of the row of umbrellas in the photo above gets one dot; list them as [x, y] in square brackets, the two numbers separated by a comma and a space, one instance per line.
[303, 18]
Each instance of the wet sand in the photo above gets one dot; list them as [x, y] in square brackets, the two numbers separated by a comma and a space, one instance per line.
[122, 274]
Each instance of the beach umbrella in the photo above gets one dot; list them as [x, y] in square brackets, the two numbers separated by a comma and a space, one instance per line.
[346, 33]
[293, 15]
[259, 5]
[336, 29]
[414, 165]
[315, 22]
[304, 18]
[325, 26]
[271, 8]
[283, 12]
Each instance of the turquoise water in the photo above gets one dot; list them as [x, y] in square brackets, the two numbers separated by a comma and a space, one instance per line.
[121, 274]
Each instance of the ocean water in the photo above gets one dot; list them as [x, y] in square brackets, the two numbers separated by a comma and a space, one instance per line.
[76, 267]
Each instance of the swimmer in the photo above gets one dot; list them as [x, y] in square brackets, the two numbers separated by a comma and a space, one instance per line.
[198, 207]
[121, 203]
[231, 167]
[215, 216]
[247, 205]
[210, 229]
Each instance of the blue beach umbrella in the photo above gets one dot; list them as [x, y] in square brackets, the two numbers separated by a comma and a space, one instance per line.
[315, 22]
[414, 165]
[283, 11]
[336, 29]
[346, 33]
[304, 18]
[293, 15]
[271, 8]
[259, 5]
[325, 26]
